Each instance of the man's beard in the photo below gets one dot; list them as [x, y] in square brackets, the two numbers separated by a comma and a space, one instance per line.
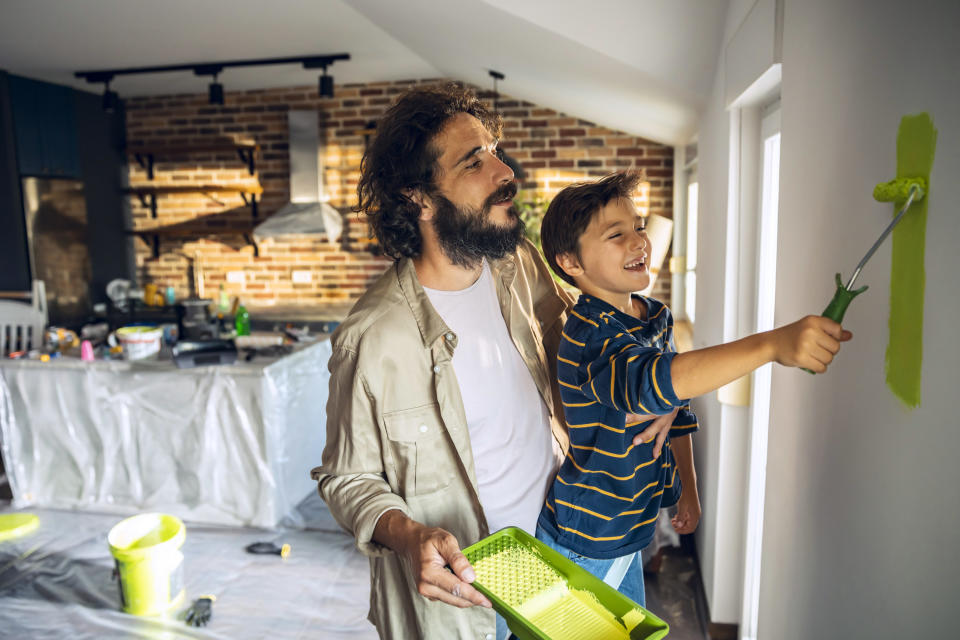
[466, 235]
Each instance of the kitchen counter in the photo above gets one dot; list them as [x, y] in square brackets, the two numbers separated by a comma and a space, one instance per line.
[163, 363]
[226, 444]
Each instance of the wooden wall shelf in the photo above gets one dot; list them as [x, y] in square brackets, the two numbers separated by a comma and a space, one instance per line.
[187, 231]
[148, 194]
[196, 188]
[147, 154]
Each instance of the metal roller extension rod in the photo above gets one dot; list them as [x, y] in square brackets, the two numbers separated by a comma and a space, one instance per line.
[915, 192]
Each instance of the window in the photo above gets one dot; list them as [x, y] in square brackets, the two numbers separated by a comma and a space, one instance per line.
[760, 401]
[690, 274]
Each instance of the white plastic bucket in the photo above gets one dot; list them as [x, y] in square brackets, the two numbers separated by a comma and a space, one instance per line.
[140, 343]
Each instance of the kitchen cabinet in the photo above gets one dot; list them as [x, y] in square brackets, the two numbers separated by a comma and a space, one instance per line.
[54, 132]
[14, 258]
[45, 128]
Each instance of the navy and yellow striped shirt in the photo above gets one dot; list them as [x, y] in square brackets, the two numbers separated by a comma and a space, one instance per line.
[605, 499]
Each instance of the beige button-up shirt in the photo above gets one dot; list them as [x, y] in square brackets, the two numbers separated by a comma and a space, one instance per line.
[397, 436]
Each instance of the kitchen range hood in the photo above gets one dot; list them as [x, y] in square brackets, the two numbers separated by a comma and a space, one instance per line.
[308, 212]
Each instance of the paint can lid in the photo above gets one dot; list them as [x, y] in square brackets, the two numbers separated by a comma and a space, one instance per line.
[14, 525]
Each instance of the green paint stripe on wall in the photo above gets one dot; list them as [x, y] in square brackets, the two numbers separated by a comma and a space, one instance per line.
[916, 145]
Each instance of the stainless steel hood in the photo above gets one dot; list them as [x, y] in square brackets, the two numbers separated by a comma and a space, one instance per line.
[308, 212]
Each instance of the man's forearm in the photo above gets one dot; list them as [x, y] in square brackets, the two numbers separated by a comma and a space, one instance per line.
[697, 372]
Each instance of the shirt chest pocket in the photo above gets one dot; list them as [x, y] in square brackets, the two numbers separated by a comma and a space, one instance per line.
[419, 448]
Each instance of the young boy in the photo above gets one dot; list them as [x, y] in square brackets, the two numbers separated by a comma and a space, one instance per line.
[616, 358]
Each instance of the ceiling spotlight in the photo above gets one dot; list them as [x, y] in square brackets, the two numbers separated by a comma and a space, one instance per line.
[216, 91]
[110, 98]
[215, 96]
[326, 84]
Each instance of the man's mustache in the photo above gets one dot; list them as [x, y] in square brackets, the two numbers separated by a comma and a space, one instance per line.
[507, 191]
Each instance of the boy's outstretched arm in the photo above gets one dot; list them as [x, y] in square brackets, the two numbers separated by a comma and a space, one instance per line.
[688, 507]
[811, 343]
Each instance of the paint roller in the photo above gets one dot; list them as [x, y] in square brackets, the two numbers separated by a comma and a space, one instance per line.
[906, 190]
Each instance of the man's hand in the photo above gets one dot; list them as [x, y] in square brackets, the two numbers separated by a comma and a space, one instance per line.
[688, 512]
[659, 428]
[429, 550]
[811, 343]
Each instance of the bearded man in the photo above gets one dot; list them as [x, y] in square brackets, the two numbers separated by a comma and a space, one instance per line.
[443, 421]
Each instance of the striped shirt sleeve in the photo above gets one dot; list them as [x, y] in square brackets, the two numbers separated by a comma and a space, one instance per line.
[622, 374]
[685, 423]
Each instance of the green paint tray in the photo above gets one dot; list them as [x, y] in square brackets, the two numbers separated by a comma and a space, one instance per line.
[544, 596]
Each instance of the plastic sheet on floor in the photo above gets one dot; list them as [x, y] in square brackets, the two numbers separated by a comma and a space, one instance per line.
[57, 582]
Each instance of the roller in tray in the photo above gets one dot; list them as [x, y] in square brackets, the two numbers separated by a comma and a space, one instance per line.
[544, 596]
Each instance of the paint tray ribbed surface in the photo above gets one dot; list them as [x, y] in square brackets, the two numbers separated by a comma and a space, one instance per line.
[544, 596]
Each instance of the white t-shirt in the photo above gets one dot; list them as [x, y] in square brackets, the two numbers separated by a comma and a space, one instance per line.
[509, 425]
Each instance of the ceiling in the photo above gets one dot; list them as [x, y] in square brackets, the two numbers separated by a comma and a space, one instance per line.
[640, 66]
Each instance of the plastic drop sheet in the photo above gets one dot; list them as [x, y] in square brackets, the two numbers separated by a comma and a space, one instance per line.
[57, 582]
[227, 445]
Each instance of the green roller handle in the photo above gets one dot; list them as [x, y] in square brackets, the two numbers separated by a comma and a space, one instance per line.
[841, 300]
[838, 305]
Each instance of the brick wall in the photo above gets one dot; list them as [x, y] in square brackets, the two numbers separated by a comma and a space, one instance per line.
[555, 149]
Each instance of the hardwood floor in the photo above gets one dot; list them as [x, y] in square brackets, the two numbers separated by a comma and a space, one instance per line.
[675, 593]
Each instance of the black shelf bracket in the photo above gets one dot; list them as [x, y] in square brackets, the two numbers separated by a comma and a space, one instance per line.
[252, 241]
[246, 156]
[156, 246]
[145, 160]
[252, 201]
[149, 200]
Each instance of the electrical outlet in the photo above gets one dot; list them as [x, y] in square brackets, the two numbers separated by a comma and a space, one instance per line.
[238, 277]
[301, 277]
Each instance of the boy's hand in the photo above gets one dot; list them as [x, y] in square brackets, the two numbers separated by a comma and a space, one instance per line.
[811, 343]
[688, 513]
[659, 428]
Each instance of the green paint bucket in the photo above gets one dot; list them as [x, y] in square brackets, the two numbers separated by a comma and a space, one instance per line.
[149, 563]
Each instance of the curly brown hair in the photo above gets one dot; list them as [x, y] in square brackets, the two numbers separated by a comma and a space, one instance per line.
[401, 158]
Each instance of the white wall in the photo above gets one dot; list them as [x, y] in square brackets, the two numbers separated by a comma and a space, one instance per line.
[863, 496]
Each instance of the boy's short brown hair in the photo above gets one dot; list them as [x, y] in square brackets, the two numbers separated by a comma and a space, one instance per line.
[571, 211]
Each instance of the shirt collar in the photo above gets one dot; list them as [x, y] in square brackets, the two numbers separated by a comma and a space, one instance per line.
[431, 325]
[600, 306]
